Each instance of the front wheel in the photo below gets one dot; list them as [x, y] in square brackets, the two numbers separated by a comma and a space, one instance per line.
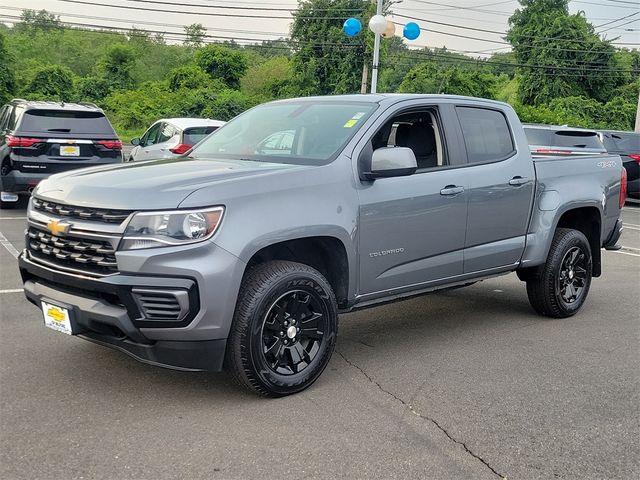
[284, 329]
[559, 288]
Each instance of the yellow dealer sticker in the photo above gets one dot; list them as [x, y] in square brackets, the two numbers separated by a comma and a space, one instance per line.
[353, 120]
[57, 318]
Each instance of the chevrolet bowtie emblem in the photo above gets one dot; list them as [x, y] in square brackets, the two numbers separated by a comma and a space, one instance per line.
[58, 228]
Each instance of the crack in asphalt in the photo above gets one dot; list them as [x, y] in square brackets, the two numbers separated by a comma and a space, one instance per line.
[424, 417]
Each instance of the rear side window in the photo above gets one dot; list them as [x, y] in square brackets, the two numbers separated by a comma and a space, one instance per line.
[486, 134]
[66, 121]
[576, 139]
[193, 135]
[537, 136]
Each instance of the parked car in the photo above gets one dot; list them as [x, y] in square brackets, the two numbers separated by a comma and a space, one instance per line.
[243, 255]
[38, 139]
[627, 145]
[171, 137]
[553, 140]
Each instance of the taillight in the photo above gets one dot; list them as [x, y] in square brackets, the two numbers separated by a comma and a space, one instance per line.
[22, 141]
[623, 187]
[180, 149]
[110, 144]
[635, 156]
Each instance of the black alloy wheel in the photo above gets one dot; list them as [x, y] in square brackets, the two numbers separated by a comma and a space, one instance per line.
[559, 288]
[572, 278]
[284, 328]
[293, 331]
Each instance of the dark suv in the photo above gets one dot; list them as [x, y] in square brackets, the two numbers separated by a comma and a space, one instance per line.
[627, 145]
[38, 139]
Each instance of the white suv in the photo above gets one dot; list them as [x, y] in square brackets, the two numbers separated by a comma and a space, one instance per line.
[171, 137]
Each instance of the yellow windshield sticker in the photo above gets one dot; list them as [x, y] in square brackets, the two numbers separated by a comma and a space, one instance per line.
[353, 120]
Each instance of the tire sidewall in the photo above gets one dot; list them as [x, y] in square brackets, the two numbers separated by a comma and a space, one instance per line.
[275, 383]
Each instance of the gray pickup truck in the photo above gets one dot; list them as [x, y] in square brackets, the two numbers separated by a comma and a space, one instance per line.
[243, 252]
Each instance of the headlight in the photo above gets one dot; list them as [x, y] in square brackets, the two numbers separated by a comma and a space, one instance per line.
[177, 227]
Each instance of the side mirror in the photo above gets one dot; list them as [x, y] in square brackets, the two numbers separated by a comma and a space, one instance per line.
[135, 142]
[392, 162]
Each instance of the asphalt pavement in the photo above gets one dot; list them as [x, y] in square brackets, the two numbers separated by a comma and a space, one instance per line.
[465, 384]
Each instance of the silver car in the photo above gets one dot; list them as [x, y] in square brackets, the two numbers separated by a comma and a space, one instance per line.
[171, 137]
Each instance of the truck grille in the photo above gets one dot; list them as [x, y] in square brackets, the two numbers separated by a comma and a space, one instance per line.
[85, 213]
[72, 253]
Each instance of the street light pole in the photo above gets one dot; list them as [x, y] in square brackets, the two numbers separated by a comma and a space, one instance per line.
[376, 54]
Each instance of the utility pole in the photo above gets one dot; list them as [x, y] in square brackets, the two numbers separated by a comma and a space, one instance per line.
[637, 129]
[376, 54]
[365, 77]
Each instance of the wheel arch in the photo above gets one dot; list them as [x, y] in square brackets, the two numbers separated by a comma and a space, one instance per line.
[325, 253]
[585, 217]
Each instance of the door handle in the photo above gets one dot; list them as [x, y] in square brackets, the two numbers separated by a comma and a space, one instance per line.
[451, 190]
[517, 181]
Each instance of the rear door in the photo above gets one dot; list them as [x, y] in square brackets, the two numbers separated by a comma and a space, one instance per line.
[412, 228]
[501, 186]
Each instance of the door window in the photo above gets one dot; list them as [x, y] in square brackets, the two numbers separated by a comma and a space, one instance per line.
[166, 132]
[3, 120]
[418, 130]
[486, 134]
[151, 136]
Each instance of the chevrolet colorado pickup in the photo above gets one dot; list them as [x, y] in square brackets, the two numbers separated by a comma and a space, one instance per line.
[242, 253]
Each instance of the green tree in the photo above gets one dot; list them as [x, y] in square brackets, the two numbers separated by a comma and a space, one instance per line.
[32, 20]
[116, 66]
[326, 61]
[226, 64]
[271, 79]
[428, 78]
[7, 73]
[189, 76]
[561, 53]
[51, 82]
[195, 34]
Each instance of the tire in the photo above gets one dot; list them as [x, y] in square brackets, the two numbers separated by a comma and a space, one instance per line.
[284, 329]
[559, 288]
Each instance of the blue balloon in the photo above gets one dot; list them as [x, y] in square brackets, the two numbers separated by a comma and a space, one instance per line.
[352, 27]
[411, 31]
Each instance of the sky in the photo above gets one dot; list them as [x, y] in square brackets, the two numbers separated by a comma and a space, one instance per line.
[430, 15]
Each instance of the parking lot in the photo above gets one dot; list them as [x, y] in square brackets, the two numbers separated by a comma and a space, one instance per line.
[468, 383]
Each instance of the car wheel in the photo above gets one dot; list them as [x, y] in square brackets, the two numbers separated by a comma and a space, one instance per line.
[559, 288]
[284, 329]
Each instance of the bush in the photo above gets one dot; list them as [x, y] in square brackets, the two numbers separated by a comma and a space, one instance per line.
[189, 76]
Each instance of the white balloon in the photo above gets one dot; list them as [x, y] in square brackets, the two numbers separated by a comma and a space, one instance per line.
[378, 24]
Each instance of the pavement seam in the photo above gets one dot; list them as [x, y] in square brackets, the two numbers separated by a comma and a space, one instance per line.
[418, 414]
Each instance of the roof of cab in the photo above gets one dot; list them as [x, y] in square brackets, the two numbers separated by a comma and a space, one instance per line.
[184, 122]
[389, 97]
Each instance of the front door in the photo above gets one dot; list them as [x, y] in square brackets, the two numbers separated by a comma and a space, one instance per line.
[412, 229]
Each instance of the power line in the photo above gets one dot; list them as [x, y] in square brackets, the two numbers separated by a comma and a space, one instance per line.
[234, 7]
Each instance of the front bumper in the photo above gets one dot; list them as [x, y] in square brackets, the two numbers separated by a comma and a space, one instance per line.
[105, 310]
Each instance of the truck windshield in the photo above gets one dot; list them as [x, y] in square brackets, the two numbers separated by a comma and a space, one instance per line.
[304, 133]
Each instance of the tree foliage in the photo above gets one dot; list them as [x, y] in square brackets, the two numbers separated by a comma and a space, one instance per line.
[194, 35]
[51, 82]
[222, 63]
[117, 65]
[580, 63]
[7, 73]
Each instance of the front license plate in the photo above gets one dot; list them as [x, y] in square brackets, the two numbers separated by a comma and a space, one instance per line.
[57, 318]
[69, 151]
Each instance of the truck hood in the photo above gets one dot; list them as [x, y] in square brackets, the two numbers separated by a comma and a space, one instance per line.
[158, 184]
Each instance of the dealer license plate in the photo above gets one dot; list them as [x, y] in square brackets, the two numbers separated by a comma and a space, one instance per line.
[69, 151]
[57, 318]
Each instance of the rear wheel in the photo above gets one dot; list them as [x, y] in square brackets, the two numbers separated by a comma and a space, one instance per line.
[559, 288]
[284, 329]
